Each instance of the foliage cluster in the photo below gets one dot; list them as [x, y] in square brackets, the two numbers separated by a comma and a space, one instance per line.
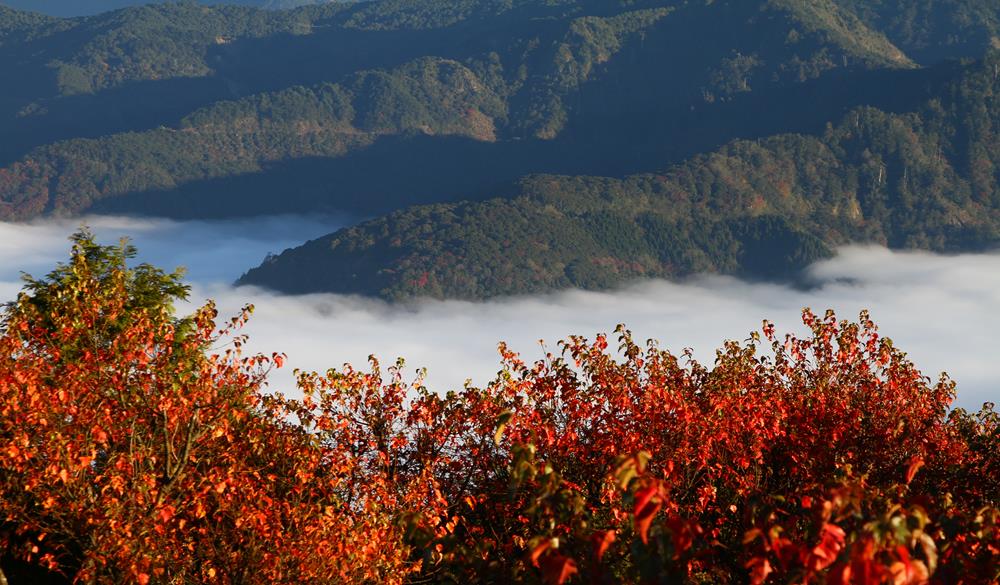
[136, 446]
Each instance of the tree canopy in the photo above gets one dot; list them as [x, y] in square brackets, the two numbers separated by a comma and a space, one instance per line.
[133, 452]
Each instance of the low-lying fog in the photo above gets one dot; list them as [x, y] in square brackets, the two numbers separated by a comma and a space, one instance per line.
[942, 310]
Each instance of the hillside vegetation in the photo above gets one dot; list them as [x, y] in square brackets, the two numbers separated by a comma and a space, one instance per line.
[554, 70]
[765, 208]
[68, 8]
[511, 146]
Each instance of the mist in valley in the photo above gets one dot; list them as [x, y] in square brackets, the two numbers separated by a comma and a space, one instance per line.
[939, 309]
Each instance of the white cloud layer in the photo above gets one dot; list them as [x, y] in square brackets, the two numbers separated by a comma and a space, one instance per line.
[942, 310]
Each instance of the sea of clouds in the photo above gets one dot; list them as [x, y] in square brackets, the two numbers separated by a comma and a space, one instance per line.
[942, 310]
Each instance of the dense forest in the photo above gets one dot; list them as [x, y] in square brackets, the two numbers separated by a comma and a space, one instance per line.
[91, 7]
[530, 72]
[763, 208]
[649, 137]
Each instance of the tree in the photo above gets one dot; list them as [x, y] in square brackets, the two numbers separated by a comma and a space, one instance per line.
[132, 452]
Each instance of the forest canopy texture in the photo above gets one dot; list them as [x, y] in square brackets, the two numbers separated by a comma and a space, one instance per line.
[514, 146]
[137, 445]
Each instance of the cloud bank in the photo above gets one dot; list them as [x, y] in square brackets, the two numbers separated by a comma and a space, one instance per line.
[942, 310]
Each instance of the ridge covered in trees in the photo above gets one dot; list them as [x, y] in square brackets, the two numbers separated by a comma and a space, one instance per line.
[140, 446]
[540, 65]
[648, 137]
[70, 8]
[764, 208]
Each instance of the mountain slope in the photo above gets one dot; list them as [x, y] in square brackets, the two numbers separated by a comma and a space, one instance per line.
[925, 179]
[239, 137]
[551, 71]
[545, 143]
[930, 31]
[70, 8]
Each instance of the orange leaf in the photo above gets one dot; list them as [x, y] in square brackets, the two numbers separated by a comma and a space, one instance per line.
[760, 568]
[166, 513]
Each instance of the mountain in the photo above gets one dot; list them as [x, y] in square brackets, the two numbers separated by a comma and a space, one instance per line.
[931, 30]
[766, 208]
[473, 121]
[70, 8]
[547, 78]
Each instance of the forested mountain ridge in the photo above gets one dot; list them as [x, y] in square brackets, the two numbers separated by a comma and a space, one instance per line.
[639, 137]
[238, 137]
[70, 8]
[556, 67]
[766, 208]
[931, 30]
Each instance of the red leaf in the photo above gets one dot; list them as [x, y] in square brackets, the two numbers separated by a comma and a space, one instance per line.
[916, 463]
[643, 496]
[840, 575]
[644, 517]
[683, 533]
[539, 550]
[557, 569]
[648, 502]
[825, 553]
[602, 541]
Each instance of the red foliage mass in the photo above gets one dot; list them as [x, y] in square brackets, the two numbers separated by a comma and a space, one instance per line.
[133, 449]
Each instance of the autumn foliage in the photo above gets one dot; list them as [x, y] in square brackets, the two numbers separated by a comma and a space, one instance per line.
[140, 447]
